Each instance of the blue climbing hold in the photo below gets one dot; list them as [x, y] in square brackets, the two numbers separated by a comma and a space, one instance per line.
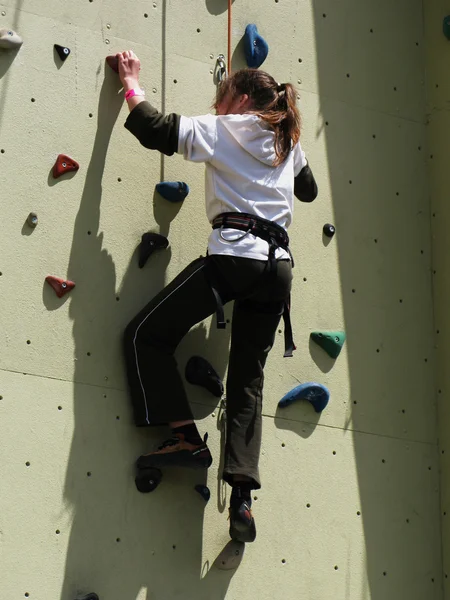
[315, 393]
[255, 47]
[173, 191]
[203, 491]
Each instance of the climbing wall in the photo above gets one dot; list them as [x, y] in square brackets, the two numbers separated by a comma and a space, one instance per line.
[437, 35]
[349, 506]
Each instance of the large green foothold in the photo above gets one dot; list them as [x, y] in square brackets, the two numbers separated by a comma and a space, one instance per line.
[330, 341]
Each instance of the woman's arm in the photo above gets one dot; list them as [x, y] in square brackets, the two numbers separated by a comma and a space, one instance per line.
[154, 130]
[129, 67]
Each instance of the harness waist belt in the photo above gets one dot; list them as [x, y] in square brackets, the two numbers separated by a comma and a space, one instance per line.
[276, 237]
[262, 228]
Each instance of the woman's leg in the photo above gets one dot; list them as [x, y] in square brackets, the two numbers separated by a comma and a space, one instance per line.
[255, 322]
[151, 338]
[253, 333]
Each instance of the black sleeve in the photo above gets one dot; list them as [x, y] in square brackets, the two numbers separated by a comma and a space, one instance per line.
[305, 186]
[154, 130]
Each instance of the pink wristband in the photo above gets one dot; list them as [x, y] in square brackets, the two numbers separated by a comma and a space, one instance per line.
[134, 92]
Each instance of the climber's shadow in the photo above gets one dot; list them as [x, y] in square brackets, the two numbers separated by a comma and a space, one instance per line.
[110, 513]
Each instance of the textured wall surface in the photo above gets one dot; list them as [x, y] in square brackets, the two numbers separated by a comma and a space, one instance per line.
[438, 121]
[349, 507]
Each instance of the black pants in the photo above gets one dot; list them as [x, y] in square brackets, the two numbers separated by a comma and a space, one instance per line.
[157, 391]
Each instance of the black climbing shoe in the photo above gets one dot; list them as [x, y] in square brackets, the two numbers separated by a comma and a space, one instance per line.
[178, 452]
[242, 522]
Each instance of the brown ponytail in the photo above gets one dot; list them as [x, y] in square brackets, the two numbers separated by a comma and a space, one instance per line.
[275, 103]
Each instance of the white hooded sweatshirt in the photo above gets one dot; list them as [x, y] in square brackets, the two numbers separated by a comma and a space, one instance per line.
[238, 152]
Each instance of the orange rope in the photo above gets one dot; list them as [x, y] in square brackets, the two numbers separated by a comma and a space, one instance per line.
[229, 36]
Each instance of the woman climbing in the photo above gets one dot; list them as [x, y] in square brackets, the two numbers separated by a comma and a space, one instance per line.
[254, 167]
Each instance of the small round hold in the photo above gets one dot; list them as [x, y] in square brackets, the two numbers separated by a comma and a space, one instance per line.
[147, 480]
[329, 230]
[32, 220]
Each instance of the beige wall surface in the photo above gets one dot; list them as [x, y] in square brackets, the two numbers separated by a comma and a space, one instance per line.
[350, 505]
[438, 129]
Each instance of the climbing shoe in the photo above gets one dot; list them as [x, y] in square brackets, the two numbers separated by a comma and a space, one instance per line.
[178, 452]
[242, 523]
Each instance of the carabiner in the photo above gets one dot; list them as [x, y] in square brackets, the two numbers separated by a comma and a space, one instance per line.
[221, 68]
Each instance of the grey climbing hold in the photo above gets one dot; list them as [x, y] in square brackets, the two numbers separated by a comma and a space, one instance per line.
[315, 393]
[63, 51]
[32, 220]
[9, 39]
[255, 47]
[330, 341]
[204, 492]
[173, 191]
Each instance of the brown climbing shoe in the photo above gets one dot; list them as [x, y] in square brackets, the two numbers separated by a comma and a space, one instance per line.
[177, 452]
[242, 522]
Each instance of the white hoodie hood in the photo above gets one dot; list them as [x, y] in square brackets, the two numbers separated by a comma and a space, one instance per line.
[238, 152]
[253, 135]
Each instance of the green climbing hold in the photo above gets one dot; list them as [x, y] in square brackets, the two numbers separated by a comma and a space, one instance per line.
[330, 341]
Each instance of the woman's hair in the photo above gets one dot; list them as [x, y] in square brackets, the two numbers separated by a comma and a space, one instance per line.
[275, 103]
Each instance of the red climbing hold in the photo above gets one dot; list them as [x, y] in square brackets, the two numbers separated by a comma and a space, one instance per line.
[64, 164]
[61, 286]
[113, 62]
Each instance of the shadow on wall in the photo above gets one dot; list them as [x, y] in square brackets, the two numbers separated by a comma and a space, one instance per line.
[217, 7]
[121, 541]
[382, 223]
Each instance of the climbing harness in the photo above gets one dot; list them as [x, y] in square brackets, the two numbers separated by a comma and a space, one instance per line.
[276, 237]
